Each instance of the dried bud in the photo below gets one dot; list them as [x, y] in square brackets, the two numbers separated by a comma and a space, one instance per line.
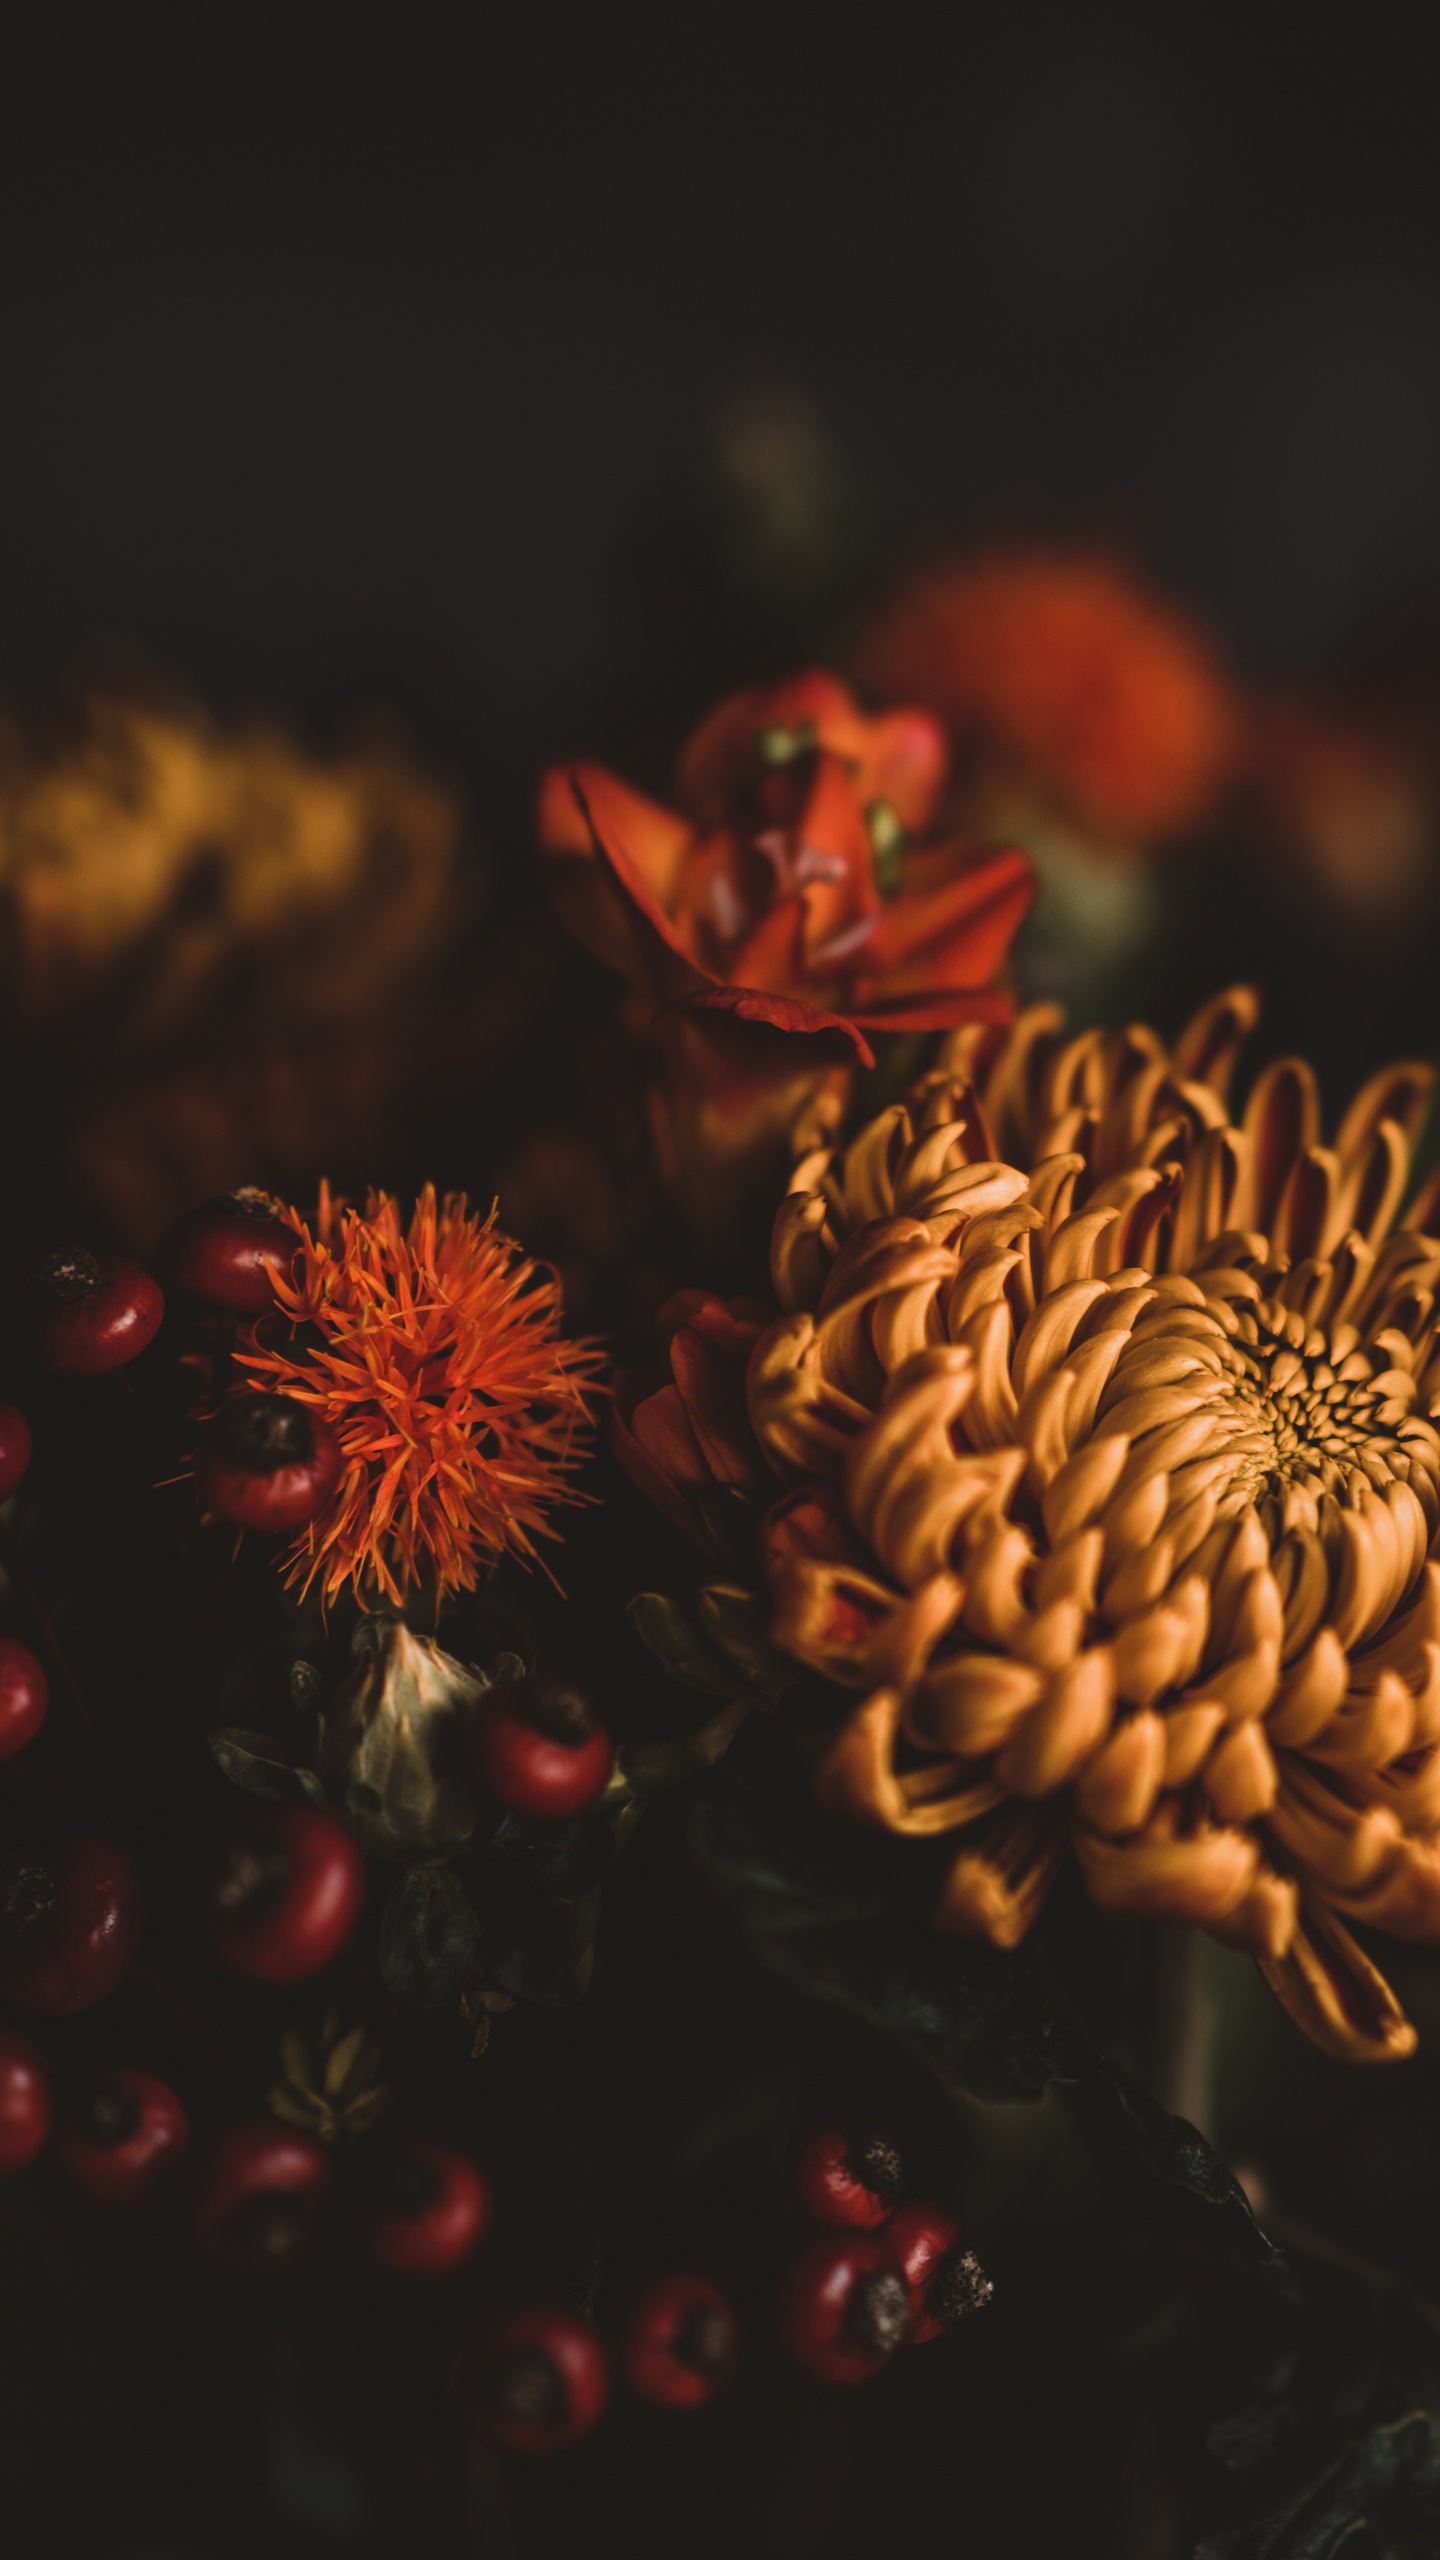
[389, 1749]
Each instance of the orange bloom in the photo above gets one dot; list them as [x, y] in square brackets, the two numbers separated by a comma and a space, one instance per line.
[1069, 670]
[686, 1436]
[799, 900]
[434, 1352]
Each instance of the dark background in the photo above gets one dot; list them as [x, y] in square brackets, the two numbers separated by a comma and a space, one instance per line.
[408, 368]
[380, 362]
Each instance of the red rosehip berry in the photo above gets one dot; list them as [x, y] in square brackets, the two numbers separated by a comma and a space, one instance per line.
[426, 2209]
[259, 2198]
[24, 2101]
[24, 1696]
[95, 1313]
[846, 2174]
[285, 1895]
[230, 1253]
[534, 2380]
[945, 2280]
[680, 2344]
[16, 1449]
[534, 1747]
[120, 2135]
[841, 2305]
[72, 1916]
[267, 1462]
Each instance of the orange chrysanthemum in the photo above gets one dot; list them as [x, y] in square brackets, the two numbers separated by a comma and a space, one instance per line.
[435, 1355]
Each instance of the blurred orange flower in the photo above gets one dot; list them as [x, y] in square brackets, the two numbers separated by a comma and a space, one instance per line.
[799, 896]
[435, 1354]
[1068, 669]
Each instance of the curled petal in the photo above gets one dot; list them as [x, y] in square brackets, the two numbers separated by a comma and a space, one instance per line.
[1240, 1777]
[1340, 2000]
[800, 1420]
[909, 1635]
[1343, 1845]
[1212, 1039]
[831, 1616]
[801, 1250]
[592, 892]
[996, 1890]
[971, 1703]
[764, 1012]
[1061, 1733]
[658, 1450]
[1405, 1899]
[1198, 1878]
[955, 931]
[1189, 1734]
[857, 1777]
[1310, 1694]
[1116, 1791]
[1265, 1922]
[1371, 1729]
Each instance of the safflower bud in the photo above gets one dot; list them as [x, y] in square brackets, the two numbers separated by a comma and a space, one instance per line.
[389, 1751]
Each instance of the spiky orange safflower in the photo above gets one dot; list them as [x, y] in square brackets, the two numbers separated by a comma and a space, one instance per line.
[434, 1352]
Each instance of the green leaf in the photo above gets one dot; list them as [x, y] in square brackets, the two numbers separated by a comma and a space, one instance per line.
[428, 1938]
[1171, 2149]
[737, 1622]
[312, 2113]
[349, 2061]
[504, 1667]
[663, 1628]
[258, 1763]
[838, 1913]
[365, 2110]
[1336, 2448]
[644, 1768]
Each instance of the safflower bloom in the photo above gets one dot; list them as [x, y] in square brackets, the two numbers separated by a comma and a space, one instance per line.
[1113, 1488]
[434, 1353]
[1066, 669]
[798, 899]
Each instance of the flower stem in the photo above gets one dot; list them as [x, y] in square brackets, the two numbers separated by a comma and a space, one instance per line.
[1178, 2026]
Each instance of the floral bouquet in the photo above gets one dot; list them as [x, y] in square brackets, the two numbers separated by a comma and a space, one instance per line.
[690, 1901]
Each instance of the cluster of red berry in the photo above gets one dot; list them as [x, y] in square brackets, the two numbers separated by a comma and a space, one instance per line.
[537, 2378]
[281, 1904]
[883, 2273]
[260, 2193]
[117, 2134]
[886, 2272]
[283, 1899]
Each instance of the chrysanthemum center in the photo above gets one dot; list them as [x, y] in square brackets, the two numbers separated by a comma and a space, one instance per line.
[1311, 1419]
